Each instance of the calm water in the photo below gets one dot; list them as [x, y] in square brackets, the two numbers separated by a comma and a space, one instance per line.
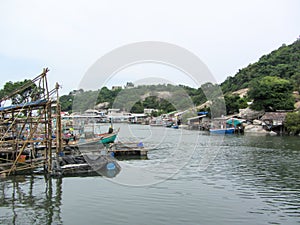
[190, 178]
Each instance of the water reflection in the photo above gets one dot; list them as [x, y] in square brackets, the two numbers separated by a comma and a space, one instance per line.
[30, 200]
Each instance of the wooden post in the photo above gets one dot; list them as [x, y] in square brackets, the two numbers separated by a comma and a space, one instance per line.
[49, 136]
[58, 123]
[46, 144]
[12, 129]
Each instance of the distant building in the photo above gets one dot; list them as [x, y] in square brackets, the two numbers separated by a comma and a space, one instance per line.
[137, 118]
[198, 122]
[117, 116]
[75, 92]
[113, 111]
[274, 118]
[116, 87]
[129, 85]
[149, 111]
[93, 112]
[64, 113]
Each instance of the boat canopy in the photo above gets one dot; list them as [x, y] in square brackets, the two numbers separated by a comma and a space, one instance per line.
[235, 121]
[202, 113]
[24, 105]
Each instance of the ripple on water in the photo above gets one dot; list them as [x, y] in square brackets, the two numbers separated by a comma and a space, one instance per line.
[224, 180]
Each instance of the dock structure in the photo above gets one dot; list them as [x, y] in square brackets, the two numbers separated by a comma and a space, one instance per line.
[128, 150]
[31, 133]
[119, 150]
[26, 123]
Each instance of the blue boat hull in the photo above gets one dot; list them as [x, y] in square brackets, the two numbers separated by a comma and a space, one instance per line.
[222, 131]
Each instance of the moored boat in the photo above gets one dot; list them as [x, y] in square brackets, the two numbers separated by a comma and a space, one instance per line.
[222, 131]
[106, 138]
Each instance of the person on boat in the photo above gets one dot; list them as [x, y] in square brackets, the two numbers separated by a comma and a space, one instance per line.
[110, 130]
[66, 138]
[179, 122]
[73, 137]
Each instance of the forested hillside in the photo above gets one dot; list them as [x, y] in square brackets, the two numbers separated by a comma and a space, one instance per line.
[164, 97]
[283, 63]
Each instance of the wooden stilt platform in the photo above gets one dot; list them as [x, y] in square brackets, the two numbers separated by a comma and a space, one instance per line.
[25, 123]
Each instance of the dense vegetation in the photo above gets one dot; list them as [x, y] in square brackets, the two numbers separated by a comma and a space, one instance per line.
[29, 92]
[271, 94]
[292, 122]
[271, 81]
[283, 63]
[234, 103]
[164, 97]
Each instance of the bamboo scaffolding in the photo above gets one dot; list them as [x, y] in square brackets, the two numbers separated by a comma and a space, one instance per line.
[17, 120]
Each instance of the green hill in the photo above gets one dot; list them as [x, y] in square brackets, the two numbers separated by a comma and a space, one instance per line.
[283, 63]
[164, 97]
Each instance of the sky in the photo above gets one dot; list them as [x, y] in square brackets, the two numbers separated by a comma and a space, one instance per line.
[68, 37]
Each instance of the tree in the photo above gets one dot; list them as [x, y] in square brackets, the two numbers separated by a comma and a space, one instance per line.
[166, 106]
[66, 102]
[296, 80]
[211, 91]
[151, 102]
[234, 103]
[292, 122]
[218, 108]
[28, 91]
[137, 107]
[271, 93]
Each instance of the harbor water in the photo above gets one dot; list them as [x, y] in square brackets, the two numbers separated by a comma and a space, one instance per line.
[190, 177]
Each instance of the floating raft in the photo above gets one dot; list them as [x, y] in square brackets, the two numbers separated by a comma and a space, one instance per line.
[90, 160]
[119, 150]
[128, 150]
[88, 164]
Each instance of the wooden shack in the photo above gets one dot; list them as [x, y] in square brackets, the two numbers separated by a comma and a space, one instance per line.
[274, 121]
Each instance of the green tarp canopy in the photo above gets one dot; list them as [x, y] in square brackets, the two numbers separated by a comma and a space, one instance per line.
[235, 122]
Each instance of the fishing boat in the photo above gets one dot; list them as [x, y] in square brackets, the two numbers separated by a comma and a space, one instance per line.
[106, 138]
[93, 158]
[175, 126]
[156, 123]
[222, 131]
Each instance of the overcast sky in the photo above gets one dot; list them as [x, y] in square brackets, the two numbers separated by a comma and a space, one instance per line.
[69, 36]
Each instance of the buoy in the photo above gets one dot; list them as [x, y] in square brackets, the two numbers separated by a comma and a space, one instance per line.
[140, 144]
[110, 166]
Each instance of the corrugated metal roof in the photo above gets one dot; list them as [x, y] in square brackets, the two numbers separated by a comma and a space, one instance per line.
[278, 116]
